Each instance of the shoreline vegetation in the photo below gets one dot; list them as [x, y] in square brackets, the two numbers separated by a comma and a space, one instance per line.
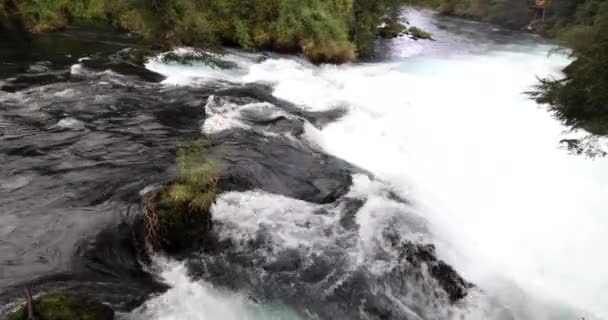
[332, 31]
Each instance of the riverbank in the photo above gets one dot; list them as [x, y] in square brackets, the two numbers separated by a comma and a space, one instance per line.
[324, 31]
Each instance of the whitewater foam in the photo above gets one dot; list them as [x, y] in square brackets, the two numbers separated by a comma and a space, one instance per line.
[456, 135]
[197, 300]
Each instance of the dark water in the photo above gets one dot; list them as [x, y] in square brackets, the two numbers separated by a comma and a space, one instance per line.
[77, 147]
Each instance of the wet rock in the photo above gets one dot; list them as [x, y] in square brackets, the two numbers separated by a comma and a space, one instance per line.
[288, 261]
[451, 282]
[39, 67]
[252, 160]
[24, 81]
[263, 93]
[126, 62]
[182, 231]
[59, 306]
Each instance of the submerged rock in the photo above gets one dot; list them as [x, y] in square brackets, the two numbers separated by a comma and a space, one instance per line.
[126, 62]
[59, 306]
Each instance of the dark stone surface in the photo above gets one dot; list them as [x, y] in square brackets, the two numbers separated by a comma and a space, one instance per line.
[126, 62]
[251, 160]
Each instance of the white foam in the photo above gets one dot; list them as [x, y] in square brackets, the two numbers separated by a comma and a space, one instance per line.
[290, 222]
[457, 135]
[223, 115]
[198, 73]
[198, 300]
[479, 157]
[71, 123]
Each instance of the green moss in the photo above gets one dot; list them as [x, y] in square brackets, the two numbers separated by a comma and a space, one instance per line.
[59, 306]
[178, 217]
[418, 33]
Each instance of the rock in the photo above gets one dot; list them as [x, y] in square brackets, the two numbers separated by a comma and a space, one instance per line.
[28, 80]
[126, 62]
[182, 231]
[275, 164]
[448, 279]
[39, 67]
[263, 93]
[60, 306]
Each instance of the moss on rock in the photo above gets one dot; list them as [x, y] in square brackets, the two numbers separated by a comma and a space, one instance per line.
[178, 217]
[60, 306]
[418, 33]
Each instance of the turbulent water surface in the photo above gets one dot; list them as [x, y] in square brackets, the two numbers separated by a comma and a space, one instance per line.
[342, 183]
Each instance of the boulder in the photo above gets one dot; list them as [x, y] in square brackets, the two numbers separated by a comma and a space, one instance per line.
[275, 164]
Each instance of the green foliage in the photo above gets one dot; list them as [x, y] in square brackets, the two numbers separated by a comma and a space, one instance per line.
[196, 181]
[178, 217]
[419, 33]
[325, 30]
[580, 99]
[511, 13]
[58, 306]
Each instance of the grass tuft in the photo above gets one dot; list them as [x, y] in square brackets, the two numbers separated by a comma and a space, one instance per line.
[178, 216]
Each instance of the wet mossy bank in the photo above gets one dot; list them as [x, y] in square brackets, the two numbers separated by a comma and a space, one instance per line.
[59, 306]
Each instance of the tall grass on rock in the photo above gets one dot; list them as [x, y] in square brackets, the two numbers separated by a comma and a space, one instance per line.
[178, 216]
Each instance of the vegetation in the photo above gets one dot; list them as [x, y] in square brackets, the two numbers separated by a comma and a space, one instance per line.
[418, 33]
[178, 216]
[58, 306]
[511, 13]
[325, 30]
[580, 99]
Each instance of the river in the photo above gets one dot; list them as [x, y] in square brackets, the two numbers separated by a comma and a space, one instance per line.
[448, 150]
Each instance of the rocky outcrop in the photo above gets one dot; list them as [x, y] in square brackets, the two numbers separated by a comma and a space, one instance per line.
[251, 160]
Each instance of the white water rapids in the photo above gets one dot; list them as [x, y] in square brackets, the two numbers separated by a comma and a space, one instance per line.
[453, 132]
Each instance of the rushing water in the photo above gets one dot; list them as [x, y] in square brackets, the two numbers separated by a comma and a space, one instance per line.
[447, 125]
[450, 151]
